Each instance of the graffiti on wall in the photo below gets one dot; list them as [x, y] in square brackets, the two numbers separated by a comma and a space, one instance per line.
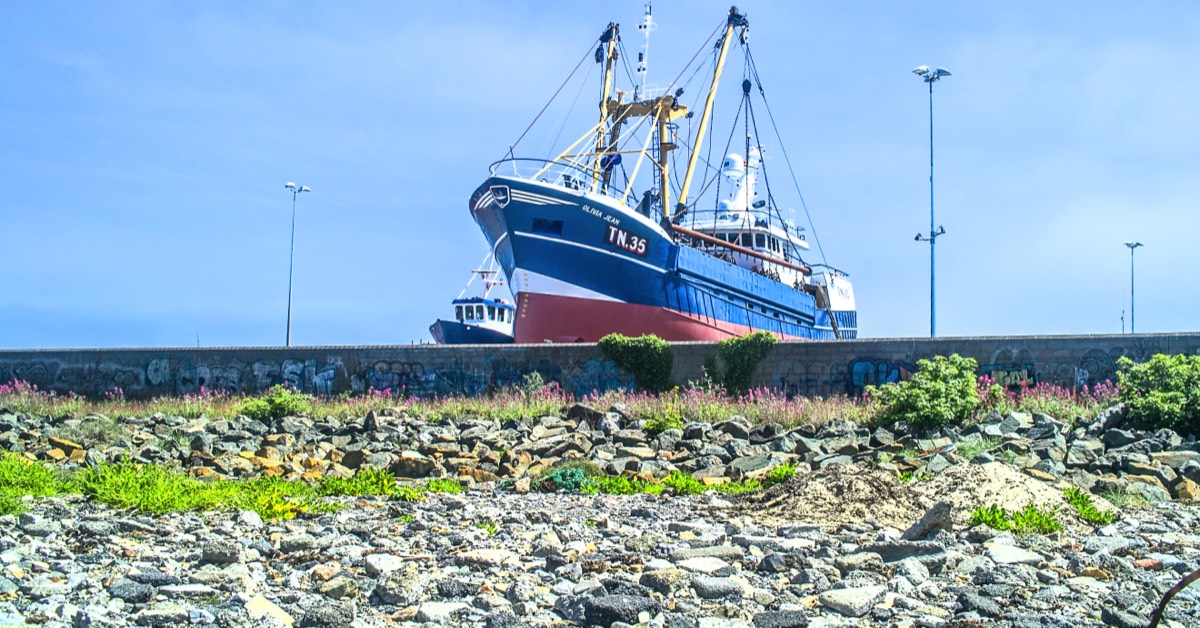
[875, 371]
[1010, 375]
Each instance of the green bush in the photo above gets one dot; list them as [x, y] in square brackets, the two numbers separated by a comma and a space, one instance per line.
[670, 419]
[740, 357]
[279, 401]
[648, 358]
[1029, 520]
[684, 484]
[779, 475]
[444, 485]
[1082, 503]
[1165, 391]
[942, 391]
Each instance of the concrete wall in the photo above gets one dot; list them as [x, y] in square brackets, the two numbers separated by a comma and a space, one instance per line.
[799, 368]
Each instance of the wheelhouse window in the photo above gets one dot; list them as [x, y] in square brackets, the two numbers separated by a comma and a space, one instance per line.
[470, 313]
[491, 312]
[479, 312]
[760, 240]
[458, 313]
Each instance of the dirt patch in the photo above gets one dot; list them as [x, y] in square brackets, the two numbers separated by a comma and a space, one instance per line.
[969, 486]
[837, 495]
[853, 493]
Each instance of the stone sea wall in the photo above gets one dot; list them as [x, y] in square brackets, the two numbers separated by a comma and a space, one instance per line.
[800, 368]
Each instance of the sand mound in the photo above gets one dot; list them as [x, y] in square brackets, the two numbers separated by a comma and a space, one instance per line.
[837, 495]
[969, 486]
[853, 493]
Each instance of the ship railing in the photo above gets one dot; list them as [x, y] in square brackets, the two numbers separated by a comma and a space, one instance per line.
[565, 174]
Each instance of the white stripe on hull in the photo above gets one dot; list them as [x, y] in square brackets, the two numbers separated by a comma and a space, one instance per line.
[528, 281]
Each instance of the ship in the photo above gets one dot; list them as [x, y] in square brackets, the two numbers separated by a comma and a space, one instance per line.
[480, 319]
[590, 248]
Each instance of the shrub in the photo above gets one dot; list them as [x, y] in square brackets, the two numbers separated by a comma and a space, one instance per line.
[779, 475]
[670, 419]
[648, 358]
[365, 482]
[279, 401]
[943, 390]
[1165, 391]
[684, 484]
[444, 485]
[741, 357]
[1082, 503]
[1029, 520]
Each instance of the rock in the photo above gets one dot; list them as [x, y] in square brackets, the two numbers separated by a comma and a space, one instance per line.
[938, 517]
[1122, 619]
[329, 614]
[130, 591]
[605, 610]
[402, 587]
[299, 542]
[665, 581]
[440, 612]
[853, 602]
[220, 552]
[780, 619]
[381, 564]
[1152, 492]
[413, 464]
[340, 587]
[719, 588]
[1004, 554]
[260, 607]
[862, 561]
[168, 614]
[973, 601]
[706, 565]
[487, 558]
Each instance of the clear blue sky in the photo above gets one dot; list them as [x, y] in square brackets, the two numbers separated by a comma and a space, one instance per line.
[144, 147]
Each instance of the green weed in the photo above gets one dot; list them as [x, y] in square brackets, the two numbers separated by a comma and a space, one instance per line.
[1082, 503]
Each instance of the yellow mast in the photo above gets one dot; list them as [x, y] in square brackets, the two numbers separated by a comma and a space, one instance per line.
[608, 42]
[735, 20]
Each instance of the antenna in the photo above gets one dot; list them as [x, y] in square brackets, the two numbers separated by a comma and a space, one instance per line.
[645, 27]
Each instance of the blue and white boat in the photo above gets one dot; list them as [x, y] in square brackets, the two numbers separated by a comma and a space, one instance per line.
[478, 320]
[589, 248]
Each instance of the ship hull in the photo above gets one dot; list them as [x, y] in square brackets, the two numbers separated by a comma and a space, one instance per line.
[455, 333]
[583, 265]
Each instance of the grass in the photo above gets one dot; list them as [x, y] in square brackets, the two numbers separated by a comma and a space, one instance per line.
[1123, 499]
[159, 489]
[968, 449]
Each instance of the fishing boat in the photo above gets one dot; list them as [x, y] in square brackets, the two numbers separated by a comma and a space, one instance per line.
[481, 319]
[589, 247]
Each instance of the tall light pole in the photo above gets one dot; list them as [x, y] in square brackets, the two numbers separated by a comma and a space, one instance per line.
[1132, 319]
[296, 190]
[931, 76]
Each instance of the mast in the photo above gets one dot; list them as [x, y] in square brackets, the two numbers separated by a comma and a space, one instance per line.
[735, 20]
[608, 48]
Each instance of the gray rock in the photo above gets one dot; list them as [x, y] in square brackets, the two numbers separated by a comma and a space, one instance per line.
[605, 610]
[441, 612]
[402, 587]
[866, 561]
[717, 588]
[973, 601]
[168, 614]
[1122, 619]
[853, 602]
[300, 542]
[780, 619]
[130, 591]
[939, 517]
[220, 552]
[1004, 554]
[329, 614]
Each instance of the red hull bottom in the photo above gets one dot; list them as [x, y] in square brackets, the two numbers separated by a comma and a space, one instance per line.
[543, 317]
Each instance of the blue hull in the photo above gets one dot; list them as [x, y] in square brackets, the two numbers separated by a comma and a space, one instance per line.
[456, 333]
[564, 249]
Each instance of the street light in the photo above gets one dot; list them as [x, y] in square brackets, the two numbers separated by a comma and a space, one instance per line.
[1132, 319]
[931, 76]
[296, 190]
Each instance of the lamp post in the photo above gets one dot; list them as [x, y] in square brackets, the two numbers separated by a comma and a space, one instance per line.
[296, 190]
[1132, 318]
[931, 76]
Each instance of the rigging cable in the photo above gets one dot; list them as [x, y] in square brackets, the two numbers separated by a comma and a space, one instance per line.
[795, 182]
[556, 92]
[562, 122]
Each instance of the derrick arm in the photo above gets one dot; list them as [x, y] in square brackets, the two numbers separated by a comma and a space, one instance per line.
[735, 20]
